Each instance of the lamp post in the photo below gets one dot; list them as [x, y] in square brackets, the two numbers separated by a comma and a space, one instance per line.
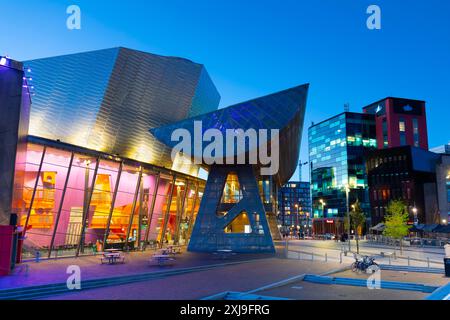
[307, 223]
[323, 217]
[296, 219]
[347, 191]
[414, 210]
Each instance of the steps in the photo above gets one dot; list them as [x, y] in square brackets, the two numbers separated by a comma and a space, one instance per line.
[273, 226]
[392, 285]
[411, 269]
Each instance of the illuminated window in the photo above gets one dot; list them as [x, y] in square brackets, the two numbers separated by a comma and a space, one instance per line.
[240, 224]
[401, 125]
[416, 132]
[232, 191]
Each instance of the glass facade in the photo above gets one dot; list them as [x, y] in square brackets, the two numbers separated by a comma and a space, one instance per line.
[336, 152]
[294, 204]
[74, 203]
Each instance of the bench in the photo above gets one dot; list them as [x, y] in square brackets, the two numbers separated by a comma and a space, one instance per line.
[224, 254]
[387, 254]
[162, 259]
[112, 258]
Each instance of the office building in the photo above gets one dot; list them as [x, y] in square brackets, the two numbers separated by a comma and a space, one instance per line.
[399, 122]
[404, 173]
[294, 206]
[336, 152]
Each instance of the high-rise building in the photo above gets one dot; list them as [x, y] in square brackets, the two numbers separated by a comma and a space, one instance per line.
[336, 153]
[399, 122]
[294, 205]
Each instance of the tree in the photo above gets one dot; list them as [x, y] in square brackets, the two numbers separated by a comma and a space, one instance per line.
[357, 221]
[396, 221]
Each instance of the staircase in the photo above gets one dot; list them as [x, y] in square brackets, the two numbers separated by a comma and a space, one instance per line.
[273, 226]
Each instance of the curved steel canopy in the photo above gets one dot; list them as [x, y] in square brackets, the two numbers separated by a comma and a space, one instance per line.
[283, 110]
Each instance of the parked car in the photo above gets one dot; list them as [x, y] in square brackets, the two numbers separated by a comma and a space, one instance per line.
[329, 236]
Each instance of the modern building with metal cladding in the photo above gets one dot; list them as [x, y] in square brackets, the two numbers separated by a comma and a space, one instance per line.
[238, 208]
[106, 100]
[83, 173]
[88, 174]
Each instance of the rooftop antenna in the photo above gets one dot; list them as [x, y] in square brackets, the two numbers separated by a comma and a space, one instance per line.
[347, 107]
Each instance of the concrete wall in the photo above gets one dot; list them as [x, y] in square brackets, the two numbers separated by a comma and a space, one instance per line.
[14, 111]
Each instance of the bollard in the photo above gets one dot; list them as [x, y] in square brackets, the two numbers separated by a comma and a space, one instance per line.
[389, 260]
[298, 255]
[38, 256]
[340, 258]
[326, 257]
[428, 262]
[312, 256]
[409, 263]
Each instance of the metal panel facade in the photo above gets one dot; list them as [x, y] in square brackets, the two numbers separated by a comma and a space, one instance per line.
[107, 100]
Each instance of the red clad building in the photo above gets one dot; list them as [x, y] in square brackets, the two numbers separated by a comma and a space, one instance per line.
[400, 122]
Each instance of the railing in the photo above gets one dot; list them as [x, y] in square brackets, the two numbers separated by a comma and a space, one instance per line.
[412, 242]
[386, 258]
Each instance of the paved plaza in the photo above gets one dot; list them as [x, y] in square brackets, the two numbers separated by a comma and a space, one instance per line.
[203, 274]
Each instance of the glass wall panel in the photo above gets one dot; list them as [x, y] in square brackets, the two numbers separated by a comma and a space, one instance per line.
[23, 193]
[187, 213]
[47, 199]
[175, 208]
[123, 206]
[76, 199]
[100, 205]
[146, 196]
[201, 189]
[159, 211]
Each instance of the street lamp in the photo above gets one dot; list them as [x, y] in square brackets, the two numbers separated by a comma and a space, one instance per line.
[414, 210]
[296, 220]
[323, 217]
[347, 191]
[444, 221]
[307, 223]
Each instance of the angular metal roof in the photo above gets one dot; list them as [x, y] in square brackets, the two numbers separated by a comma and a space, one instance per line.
[283, 110]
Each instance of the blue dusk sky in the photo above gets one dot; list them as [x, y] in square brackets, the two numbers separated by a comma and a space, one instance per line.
[256, 47]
